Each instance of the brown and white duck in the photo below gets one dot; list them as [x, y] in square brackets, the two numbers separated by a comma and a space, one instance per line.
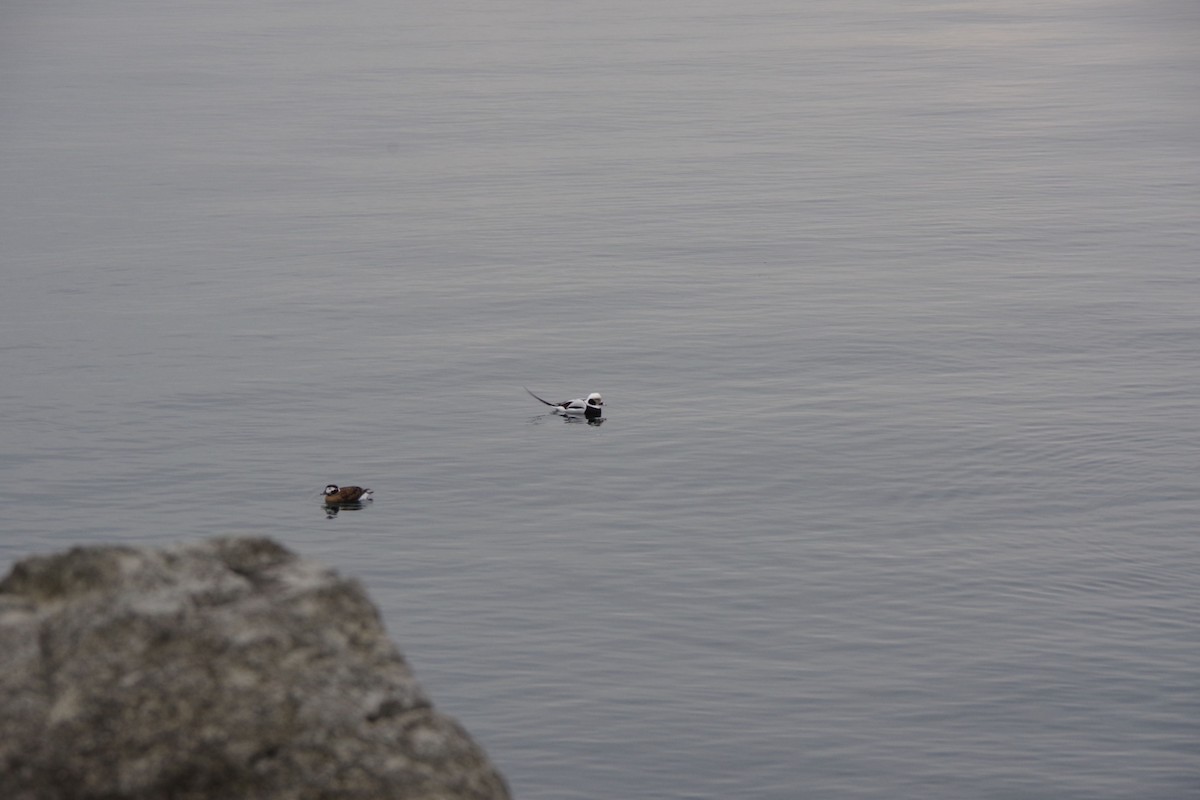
[335, 495]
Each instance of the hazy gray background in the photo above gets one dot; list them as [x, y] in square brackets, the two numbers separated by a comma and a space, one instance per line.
[895, 307]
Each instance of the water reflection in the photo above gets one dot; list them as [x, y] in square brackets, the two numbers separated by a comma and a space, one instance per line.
[570, 419]
[333, 509]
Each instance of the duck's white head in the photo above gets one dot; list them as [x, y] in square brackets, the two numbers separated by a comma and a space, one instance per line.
[594, 399]
[331, 489]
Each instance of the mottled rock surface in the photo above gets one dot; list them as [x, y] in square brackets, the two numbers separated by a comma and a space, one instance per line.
[230, 669]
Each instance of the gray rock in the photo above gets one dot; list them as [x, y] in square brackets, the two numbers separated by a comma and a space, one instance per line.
[230, 669]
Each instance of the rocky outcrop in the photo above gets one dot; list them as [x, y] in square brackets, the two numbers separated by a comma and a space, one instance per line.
[229, 669]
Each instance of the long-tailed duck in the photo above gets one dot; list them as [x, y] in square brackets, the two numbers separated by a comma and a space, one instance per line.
[590, 407]
[346, 494]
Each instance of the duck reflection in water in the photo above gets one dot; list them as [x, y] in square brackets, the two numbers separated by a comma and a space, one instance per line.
[333, 511]
[591, 417]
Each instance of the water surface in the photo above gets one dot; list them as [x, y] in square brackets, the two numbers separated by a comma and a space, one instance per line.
[894, 309]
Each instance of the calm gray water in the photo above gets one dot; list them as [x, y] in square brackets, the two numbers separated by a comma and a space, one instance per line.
[895, 307]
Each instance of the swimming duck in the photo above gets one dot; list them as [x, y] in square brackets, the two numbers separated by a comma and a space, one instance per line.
[591, 406]
[346, 494]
